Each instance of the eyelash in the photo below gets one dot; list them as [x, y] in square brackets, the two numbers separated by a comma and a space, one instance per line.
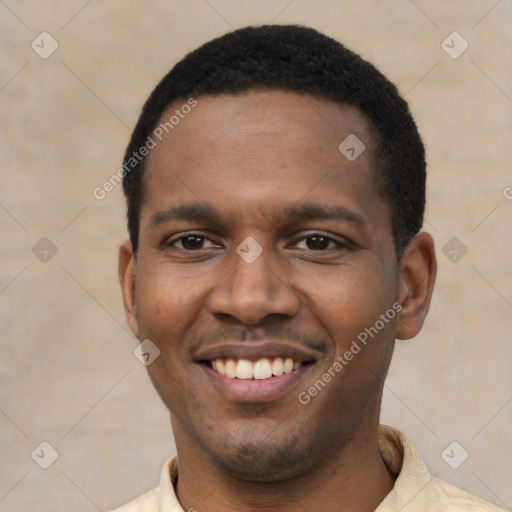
[171, 243]
[338, 244]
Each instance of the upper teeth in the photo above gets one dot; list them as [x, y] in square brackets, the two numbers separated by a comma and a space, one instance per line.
[260, 369]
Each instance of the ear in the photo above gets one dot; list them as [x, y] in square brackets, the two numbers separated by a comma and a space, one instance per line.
[418, 269]
[126, 271]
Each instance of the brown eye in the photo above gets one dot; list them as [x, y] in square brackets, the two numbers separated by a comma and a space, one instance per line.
[317, 243]
[191, 242]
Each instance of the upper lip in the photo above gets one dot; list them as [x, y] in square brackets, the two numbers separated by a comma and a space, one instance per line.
[254, 350]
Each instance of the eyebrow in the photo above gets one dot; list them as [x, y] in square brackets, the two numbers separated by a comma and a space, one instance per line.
[315, 211]
[202, 212]
[192, 212]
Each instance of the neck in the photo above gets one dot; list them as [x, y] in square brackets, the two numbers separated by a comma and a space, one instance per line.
[353, 479]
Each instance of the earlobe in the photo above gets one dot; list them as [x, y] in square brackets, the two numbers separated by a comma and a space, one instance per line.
[127, 275]
[418, 269]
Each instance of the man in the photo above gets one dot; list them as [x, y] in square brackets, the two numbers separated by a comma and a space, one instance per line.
[276, 187]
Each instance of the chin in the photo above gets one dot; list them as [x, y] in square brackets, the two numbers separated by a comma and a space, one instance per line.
[260, 461]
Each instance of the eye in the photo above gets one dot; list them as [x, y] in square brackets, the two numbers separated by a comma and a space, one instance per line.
[318, 242]
[192, 242]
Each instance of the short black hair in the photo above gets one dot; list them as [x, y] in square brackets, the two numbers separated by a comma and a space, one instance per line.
[299, 59]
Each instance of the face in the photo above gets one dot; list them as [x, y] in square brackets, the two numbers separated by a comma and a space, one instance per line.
[264, 254]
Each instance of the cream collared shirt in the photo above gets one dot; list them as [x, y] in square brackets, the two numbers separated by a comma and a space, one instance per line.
[415, 490]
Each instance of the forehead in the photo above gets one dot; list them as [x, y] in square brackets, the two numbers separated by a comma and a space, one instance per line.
[302, 117]
[261, 146]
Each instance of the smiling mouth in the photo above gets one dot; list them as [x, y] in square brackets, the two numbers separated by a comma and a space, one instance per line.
[261, 369]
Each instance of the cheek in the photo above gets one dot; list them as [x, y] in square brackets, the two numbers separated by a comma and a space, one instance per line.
[167, 301]
[348, 298]
[168, 305]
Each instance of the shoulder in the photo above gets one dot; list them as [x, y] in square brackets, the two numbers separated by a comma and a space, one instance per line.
[148, 502]
[415, 488]
[161, 497]
[455, 499]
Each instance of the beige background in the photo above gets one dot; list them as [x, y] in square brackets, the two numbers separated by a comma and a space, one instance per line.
[68, 375]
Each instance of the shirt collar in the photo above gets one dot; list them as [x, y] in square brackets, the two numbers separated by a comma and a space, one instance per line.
[399, 455]
[405, 463]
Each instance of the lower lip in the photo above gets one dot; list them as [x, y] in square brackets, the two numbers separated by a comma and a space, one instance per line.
[255, 390]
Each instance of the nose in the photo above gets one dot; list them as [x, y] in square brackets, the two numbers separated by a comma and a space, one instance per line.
[253, 290]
